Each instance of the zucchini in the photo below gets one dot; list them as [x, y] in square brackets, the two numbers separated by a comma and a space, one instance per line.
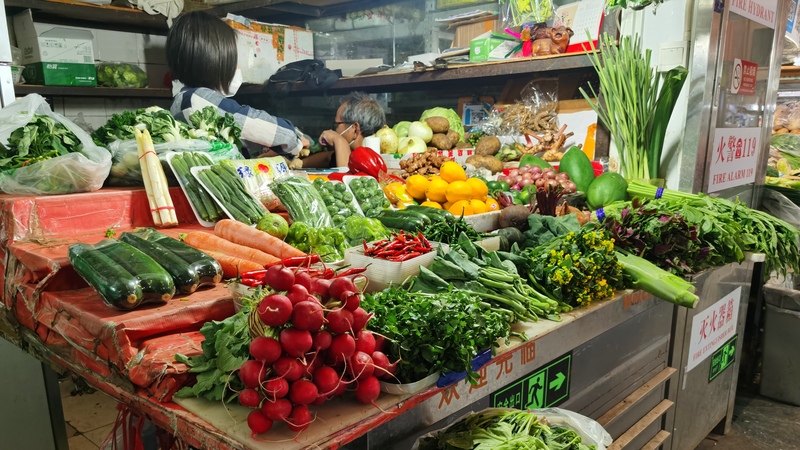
[183, 274]
[156, 283]
[403, 220]
[117, 287]
[207, 268]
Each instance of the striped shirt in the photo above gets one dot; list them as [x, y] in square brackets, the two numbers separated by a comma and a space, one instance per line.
[259, 128]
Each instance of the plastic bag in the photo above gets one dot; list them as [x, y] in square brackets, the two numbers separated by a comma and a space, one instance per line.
[125, 168]
[517, 13]
[302, 201]
[76, 172]
[591, 432]
[119, 74]
[781, 207]
[258, 174]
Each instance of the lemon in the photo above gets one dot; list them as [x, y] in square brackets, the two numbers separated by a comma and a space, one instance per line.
[479, 188]
[458, 190]
[452, 171]
[437, 191]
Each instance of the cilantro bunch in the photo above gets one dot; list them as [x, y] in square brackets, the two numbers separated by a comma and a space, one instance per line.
[438, 332]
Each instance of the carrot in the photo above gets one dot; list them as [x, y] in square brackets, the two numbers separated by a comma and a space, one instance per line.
[209, 242]
[251, 237]
[233, 266]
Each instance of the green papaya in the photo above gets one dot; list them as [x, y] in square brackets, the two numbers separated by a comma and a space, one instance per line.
[608, 188]
[533, 160]
[577, 165]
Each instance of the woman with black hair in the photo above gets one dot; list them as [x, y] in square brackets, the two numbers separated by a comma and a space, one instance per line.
[201, 53]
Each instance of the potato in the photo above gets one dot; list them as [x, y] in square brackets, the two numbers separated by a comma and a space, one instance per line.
[462, 144]
[454, 137]
[486, 162]
[488, 146]
[438, 124]
[441, 141]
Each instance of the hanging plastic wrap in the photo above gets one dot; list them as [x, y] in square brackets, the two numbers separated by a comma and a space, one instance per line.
[517, 13]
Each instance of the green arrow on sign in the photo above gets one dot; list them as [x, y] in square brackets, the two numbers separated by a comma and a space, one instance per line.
[556, 384]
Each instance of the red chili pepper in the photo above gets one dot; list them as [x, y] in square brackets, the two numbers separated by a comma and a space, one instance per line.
[364, 159]
[351, 271]
[252, 282]
[408, 256]
[296, 261]
[255, 274]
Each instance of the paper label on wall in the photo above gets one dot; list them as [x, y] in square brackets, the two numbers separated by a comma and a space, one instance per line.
[743, 78]
[734, 157]
[713, 327]
[761, 11]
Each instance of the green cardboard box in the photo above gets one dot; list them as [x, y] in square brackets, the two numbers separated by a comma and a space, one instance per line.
[60, 74]
[491, 46]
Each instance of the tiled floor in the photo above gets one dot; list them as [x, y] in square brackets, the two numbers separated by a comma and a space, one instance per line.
[89, 417]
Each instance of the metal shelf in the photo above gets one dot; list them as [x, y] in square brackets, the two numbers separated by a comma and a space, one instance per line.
[473, 73]
[86, 91]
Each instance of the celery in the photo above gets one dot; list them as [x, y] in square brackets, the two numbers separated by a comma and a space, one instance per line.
[652, 279]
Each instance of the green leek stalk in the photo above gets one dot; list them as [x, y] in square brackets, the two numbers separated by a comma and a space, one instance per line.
[654, 280]
[657, 128]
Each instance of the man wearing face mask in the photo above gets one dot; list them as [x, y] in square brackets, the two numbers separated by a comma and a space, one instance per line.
[358, 116]
[201, 53]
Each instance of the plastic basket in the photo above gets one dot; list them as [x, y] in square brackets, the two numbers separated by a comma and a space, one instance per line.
[410, 388]
[382, 273]
[238, 291]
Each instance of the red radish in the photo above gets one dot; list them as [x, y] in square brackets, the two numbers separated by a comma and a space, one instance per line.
[311, 366]
[303, 279]
[279, 277]
[258, 423]
[303, 392]
[277, 410]
[275, 310]
[365, 342]
[299, 419]
[382, 364]
[351, 300]
[308, 315]
[322, 340]
[297, 293]
[276, 388]
[320, 400]
[288, 368]
[340, 321]
[249, 398]
[252, 373]
[380, 342]
[341, 285]
[339, 390]
[265, 349]
[360, 319]
[360, 365]
[295, 342]
[368, 390]
[321, 288]
[326, 379]
[342, 348]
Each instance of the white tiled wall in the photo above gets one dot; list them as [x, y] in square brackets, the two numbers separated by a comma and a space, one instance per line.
[93, 112]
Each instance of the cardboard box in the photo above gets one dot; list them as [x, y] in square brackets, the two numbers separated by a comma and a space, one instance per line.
[59, 56]
[491, 46]
[466, 32]
[265, 47]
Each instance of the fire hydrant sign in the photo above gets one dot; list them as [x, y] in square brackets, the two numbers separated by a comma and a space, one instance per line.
[743, 77]
[734, 157]
[761, 11]
[713, 327]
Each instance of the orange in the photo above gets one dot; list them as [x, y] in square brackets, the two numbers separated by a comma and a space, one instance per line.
[431, 204]
[447, 205]
[452, 171]
[492, 205]
[458, 190]
[461, 207]
[416, 185]
[478, 207]
[437, 191]
[479, 188]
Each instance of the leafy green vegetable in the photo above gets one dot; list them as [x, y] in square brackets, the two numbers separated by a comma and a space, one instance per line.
[209, 125]
[329, 243]
[40, 139]
[121, 75]
[544, 229]
[439, 332]
[450, 115]
[159, 122]
[446, 232]
[358, 229]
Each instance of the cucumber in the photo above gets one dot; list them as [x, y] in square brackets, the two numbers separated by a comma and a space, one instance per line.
[118, 287]
[207, 268]
[156, 283]
[183, 275]
[433, 213]
[403, 220]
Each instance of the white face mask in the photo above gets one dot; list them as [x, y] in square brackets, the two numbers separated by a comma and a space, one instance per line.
[236, 83]
[345, 131]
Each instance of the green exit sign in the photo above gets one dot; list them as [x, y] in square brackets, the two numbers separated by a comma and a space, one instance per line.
[722, 358]
[543, 388]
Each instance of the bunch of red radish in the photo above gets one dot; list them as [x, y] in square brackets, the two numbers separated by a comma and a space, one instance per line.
[323, 350]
